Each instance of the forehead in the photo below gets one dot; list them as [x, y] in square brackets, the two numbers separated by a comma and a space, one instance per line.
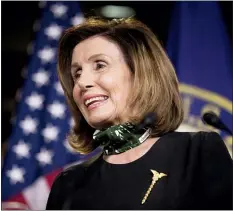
[96, 45]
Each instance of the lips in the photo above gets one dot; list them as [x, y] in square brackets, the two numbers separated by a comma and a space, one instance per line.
[93, 99]
[96, 104]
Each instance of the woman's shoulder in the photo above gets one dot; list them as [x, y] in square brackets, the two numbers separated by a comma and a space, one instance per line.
[203, 162]
[64, 184]
[194, 138]
[77, 170]
[190, 135]
[67, 181]
[197, 144]
[69, 173]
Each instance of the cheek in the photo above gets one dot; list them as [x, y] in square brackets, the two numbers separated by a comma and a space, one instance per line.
[107, 80]
[117, 86]
[107, 83]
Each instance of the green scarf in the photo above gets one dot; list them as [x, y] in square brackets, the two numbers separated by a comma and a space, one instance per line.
[120, 138]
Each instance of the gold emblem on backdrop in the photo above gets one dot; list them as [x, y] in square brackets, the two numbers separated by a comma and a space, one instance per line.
[211, 102]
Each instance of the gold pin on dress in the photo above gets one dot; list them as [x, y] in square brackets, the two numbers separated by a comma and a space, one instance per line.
[155, 178]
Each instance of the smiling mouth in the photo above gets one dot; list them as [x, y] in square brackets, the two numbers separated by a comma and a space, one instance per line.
[94, 103]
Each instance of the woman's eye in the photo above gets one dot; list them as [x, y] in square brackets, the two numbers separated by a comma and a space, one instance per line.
[100, 65]
[77, 74]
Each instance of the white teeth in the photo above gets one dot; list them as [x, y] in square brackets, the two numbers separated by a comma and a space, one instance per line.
[95, 98]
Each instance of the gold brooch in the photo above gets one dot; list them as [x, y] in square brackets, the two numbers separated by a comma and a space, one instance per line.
[155, 178]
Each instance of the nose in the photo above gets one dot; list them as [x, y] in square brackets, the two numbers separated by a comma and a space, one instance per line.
[86, 80]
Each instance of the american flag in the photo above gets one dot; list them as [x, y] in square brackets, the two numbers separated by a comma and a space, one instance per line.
[37, 149]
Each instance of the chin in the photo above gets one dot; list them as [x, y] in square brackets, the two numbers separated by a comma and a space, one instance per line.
[100, 125]
[100, 121]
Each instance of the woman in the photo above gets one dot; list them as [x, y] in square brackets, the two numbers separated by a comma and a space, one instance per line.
[113, 74]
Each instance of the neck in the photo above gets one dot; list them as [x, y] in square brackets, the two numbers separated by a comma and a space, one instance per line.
[132, 154]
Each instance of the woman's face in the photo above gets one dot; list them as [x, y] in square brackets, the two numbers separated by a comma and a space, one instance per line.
[102, 81]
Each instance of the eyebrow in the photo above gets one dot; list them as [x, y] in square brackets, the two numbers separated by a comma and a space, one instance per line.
[76, 64]
[95, 55]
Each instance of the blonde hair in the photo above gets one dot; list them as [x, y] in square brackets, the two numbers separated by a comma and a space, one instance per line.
[155, 84]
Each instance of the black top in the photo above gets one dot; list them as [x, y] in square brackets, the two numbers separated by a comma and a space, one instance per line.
[198, 169]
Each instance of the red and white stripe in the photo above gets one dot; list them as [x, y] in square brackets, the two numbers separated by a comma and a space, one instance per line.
[36, 195]
[33, 197]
